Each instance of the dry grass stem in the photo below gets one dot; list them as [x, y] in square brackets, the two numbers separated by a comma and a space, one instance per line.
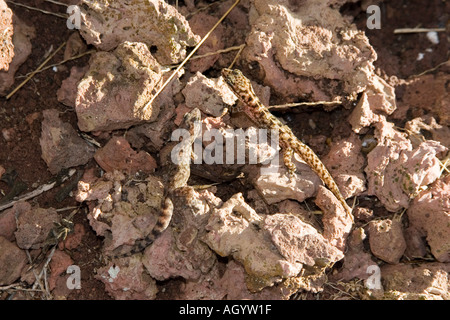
[189, 56]
[35, 71]
[432, 69]
[60, 15]
[58, 3]
[59, 63]
[417, 30]
[36, 191]
[298, 104]
[242, 46]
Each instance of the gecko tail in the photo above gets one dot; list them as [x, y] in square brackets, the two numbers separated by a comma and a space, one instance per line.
[161, 224]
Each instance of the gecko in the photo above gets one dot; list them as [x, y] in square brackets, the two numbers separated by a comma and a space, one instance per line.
[261, 116]
[179, 174]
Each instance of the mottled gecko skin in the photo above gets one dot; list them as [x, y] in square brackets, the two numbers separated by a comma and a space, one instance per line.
[179, 175]
[262, 117]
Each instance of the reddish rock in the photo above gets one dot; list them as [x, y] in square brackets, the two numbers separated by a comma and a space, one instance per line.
[336, 222]
[275, 184]
[430, 215]
[290, 50]
[106, 24]
[232, 231]
[427, 123]
[34, 226]
[179, 251]
[209, 95]
[12, 261]
[416, 246]
[67, 93]
[200, 24]
[22, 48]
[117, 154]
[74, 46]
[345, 163]
[356, 260]
[414, 282]
[58, 266]
[427, 94]
[164, 259]
[376, 103]
[396, 170]
[116, 88]
[73, 240]
[8, 219]
[180, 111]
[61, 146]
[300, 242]
[127, 279]
[6, 25]
[386, 240]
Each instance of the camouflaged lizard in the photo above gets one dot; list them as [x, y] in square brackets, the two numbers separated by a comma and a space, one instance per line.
[262, 117]
[179, 174]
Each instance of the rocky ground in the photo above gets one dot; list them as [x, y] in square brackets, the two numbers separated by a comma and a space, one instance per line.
[81, 144]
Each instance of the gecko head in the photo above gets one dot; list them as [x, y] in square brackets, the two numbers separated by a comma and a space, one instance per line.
[236, 80]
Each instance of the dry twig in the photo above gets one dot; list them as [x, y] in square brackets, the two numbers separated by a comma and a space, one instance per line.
[36, 191]
[417, 30]
[60, 15]
[35, 71]
[291, 105]
[189, 56]
[60, 63]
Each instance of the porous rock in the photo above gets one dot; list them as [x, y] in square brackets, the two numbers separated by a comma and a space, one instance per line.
[336, 221]
[386, 240]
[356, 261]
[275, 184]
[311, 40]
[67, 93]
[60, 144]
[21, 41]
[34, 226]
[8, 219]
[395, 170]
[107, 23]
[429, 214]
[299, 242]
[117, 86]
[285, 242]
[6, 37]
[58, 266]
[125, 279]
[427, 281]
[12, 261]
[179, 251]
[209, 95]
[345, 163]
[376, 102]
[200, 24]
[117, 154]
[428, 123]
